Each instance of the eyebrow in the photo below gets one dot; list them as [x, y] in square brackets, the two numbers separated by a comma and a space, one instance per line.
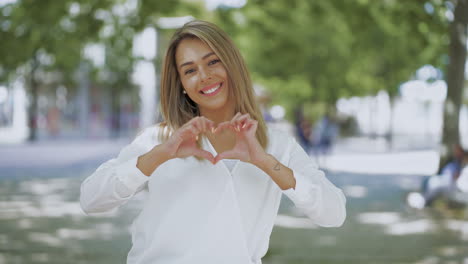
[191, 62]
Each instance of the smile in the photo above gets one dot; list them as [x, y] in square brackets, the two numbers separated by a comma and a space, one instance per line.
[213, 90]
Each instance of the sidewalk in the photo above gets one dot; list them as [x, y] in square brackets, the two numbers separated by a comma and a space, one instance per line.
[61, 153]
[354, 155]
[372, 156]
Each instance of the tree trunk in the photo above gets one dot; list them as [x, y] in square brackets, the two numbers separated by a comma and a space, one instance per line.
[83, 99]
[455, 79]
[33, 110]
[389, 136]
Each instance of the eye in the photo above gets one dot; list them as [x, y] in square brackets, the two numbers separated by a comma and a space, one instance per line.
[189, 71]
[212, 62]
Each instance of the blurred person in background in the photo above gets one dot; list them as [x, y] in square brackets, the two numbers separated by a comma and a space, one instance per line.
[53, 121]
[462, 181]
[324, 135]
[444, 184]
[303, 130]
[212, 173]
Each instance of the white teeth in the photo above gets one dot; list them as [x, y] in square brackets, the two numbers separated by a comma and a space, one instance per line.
[212, 89]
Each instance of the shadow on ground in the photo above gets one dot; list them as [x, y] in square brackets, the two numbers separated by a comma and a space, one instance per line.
[41, 222]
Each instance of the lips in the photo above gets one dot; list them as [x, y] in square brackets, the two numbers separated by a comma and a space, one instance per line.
[211, 89]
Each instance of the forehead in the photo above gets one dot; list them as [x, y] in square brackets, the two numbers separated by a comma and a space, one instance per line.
[191, 49]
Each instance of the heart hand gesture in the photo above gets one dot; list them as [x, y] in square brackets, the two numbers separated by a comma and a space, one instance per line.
[183, 143]
[247, 147]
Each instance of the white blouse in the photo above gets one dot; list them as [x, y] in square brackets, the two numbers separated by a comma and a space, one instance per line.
[197, 212]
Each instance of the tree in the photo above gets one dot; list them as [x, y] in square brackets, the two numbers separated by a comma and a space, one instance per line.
[455, 74]
[41, 37]
[340, 48]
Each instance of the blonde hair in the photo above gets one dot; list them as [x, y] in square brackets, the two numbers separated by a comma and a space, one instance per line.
[177, 108]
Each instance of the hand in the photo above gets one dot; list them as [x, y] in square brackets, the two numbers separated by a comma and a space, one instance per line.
[247, 147]
[183, 142]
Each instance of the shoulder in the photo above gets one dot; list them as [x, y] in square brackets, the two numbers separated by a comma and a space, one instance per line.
[148, 135]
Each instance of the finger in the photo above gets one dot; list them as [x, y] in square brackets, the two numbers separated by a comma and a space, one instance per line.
[204, 154]
[193, 130]
[186, 131]
[212, 125]
[205, 124]
[241, 121]
[193, 120]
[236, 116]
[197, 123]
[222, 126]
[198, 128]
[208, 125]
[213, 128]
[200, 123]
[230, 154]
[252, 125]
[248, 126]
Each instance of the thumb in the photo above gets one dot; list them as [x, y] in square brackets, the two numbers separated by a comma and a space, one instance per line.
[230, 154]
[204, 154]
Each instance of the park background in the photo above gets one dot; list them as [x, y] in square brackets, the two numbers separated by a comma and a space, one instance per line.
[79, 79]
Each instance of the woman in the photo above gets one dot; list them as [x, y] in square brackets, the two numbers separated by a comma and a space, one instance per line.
[214, 173]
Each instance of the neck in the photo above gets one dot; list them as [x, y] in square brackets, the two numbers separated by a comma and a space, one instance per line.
[218, 116]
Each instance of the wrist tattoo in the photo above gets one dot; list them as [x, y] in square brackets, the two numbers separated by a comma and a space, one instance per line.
[277, 166]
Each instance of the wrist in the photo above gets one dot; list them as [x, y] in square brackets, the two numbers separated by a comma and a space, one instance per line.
[265, 162]
[161, 152]
[149, 162]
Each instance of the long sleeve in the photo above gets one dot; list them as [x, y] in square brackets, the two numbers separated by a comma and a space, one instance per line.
[117, 180]
[314, 194]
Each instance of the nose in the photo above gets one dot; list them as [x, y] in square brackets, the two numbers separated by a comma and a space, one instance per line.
[204, 74]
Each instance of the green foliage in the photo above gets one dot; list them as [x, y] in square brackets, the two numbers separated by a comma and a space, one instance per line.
[47, 32]
[303, 51]
[43, 41]
[287, 92]
[339, 48]
[54, 33]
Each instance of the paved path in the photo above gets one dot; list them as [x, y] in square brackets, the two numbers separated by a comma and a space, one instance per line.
[57, 153]
[357, 155]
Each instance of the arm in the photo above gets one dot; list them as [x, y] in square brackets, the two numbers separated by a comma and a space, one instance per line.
[307, 187]
[117, 180]
[300, 179]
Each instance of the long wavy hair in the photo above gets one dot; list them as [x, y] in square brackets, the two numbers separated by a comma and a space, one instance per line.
[177, 108]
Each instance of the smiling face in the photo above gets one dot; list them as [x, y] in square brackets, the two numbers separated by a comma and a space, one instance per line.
[203, 77]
